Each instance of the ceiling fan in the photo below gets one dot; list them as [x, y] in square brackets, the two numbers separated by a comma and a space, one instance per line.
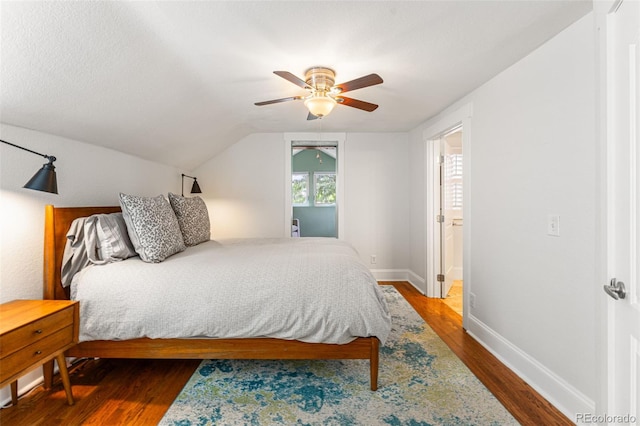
[324, 94]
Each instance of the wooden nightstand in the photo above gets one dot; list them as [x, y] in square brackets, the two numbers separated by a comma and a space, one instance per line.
[33, 332]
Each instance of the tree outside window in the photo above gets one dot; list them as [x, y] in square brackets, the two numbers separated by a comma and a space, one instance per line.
[300, 189]
[325, 188]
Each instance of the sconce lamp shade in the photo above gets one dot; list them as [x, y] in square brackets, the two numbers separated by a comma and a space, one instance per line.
[195, 189]
[44, 179]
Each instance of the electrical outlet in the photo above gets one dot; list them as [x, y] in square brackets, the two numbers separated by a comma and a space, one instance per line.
[373, 259]
[553, 225]
[472, 300]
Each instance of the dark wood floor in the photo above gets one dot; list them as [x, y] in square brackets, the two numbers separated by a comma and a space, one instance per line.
[139, 392]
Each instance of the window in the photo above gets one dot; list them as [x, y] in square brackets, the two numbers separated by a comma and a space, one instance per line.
[453, 171]
[300, 189]
[456, 196]
[324, 184]
[455, 163]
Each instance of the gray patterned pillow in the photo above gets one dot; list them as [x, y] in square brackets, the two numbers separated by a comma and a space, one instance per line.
[152, 227]
[193, 218]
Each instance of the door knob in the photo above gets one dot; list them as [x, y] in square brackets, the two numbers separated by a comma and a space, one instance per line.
[616, 289]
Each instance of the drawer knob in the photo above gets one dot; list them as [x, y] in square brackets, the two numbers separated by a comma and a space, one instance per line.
[38, 353]
[38, 331]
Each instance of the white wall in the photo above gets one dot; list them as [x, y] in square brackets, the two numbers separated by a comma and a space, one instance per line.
[243, 188]
[417, 191]
[377, 200]
[533, 145]
[87, 175]
[245, 193]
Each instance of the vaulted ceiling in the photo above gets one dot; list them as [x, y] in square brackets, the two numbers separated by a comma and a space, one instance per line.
[176, 82]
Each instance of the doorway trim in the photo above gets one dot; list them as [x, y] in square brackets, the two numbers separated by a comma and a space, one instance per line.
[313, 138]
[460, 117]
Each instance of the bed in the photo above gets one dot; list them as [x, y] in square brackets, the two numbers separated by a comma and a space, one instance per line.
[57, 223]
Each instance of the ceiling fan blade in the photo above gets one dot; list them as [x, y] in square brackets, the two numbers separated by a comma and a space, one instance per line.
[312, 117]
[355, 103]
[293, 79]
[277, 101]
[359, 83]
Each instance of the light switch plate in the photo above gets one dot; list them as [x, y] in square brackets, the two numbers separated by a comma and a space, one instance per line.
[553, 225]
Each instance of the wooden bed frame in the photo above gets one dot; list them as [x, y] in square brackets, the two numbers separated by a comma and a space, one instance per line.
[57, 223]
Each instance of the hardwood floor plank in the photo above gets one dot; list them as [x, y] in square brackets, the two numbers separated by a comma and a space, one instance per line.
[139, 392]
[107, 391]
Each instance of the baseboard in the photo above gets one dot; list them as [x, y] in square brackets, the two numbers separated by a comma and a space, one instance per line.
[417, 281]
[389, 274]
[457, 273]
[25, 384]
[556, 390]
[400, 275]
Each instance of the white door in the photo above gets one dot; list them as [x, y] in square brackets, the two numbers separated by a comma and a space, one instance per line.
[440, 231]
[447, 211]
[452, 153]
[623, 184]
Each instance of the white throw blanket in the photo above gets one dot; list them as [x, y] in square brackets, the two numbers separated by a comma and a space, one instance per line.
[308, 289]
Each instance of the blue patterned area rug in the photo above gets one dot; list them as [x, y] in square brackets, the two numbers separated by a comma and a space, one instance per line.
[421, 382]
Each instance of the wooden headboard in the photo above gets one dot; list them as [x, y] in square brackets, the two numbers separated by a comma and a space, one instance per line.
[57, 221]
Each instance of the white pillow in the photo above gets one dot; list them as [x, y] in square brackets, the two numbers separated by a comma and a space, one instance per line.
[193, 218]
[152, 227]
[107, 238]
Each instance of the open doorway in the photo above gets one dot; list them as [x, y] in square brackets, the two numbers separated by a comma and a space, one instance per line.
[314, 191]
[445, 224]
[457, 128]
[314, 141]
[451, 219]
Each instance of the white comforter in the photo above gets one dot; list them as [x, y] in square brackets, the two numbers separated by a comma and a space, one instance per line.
[308, 289]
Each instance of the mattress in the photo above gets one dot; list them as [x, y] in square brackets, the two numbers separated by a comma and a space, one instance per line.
[308, 289]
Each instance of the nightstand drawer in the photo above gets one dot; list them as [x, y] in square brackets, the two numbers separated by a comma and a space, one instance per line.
[19, 338]
[35, 332]
[35, 352]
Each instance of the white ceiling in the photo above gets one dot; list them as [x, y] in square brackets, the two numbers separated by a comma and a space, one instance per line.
[175, 82]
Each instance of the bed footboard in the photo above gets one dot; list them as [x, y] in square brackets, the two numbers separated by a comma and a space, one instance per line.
[267, 348]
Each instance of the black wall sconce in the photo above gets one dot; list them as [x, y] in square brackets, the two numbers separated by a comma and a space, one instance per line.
[195, 188]
[45, 178]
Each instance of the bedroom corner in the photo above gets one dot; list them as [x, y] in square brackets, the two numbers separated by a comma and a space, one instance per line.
[22, 210]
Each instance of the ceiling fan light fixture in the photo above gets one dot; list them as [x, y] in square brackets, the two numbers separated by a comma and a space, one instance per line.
[324, 94]
[320, 104]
